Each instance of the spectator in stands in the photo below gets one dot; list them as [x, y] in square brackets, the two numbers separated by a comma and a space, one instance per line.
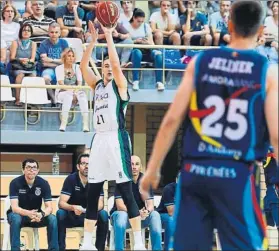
[28, 10]
[271, 22]
[268, 48]
[89, 8]
[23, 53]
[120, 36]
[19, 5]
[50, 9]
[154, 6]
[127, 13]
[163, 25]
[166, 210]
[9, 28]
[218, 23]
[150, 217]
[208, 7]
[27, 192]
[195, 26]
[72, 205]
[50, 53]
[3, 56]
[70, 17]
[39, 22]
[141, 33]
[69, 73]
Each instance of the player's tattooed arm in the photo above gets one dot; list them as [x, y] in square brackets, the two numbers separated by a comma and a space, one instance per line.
[91, 77]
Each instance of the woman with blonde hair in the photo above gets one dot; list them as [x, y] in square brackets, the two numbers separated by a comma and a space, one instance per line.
[69, 74]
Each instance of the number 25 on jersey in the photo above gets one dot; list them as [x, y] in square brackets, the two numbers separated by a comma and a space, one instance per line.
[237, 109]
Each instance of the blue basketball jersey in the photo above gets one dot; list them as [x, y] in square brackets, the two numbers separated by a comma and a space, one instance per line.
[226, 118]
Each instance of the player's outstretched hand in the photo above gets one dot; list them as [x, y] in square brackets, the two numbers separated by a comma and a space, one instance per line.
[108, 30]
[93, 32]
[149, 179]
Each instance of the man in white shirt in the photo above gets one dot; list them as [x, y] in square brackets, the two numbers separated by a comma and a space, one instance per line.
[163, 26]
[127, 13]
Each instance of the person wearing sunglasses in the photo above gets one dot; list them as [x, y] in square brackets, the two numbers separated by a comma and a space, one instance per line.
[72, 204]
[27, 194]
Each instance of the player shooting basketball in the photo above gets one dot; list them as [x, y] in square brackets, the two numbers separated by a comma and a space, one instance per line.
[110, 157]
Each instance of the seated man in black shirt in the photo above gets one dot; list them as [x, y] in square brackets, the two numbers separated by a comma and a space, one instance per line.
[166, 209]
[27, 193]
[72, 204]
[150, 218]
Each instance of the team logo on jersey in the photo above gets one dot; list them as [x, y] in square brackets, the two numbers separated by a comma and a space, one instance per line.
[77, 188]
[38, 191]
[120, 175]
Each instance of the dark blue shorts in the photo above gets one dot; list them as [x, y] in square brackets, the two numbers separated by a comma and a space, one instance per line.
[217, 194]
[271, 206]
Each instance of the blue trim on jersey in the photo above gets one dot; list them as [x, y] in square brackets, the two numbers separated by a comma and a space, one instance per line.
[250, 217]
[263, 80]
[250, 153]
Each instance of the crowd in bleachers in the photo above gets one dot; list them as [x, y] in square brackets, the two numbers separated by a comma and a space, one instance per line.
[33, 33]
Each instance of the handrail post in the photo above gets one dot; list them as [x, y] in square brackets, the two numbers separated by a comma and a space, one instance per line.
[25, 110]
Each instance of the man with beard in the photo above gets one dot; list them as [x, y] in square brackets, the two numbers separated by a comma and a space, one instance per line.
[72, 204]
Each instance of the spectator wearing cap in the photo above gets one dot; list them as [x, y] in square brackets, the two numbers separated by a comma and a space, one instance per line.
[72, 205]
[195, 26]
[39, 22]
[163, 25]
[70, 17]
[141, 33]
[27, 193]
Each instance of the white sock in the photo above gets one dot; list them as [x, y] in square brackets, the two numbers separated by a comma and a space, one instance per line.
[137, 237]
[87, 239]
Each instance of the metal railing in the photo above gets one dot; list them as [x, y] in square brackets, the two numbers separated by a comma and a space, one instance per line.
[87, 88]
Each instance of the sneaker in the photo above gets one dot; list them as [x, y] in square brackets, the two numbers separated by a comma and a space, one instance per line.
[136, 85]
[160, 86]
[87, 247]
[139, 246]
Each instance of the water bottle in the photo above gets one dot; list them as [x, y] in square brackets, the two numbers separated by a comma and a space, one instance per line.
[55, 164]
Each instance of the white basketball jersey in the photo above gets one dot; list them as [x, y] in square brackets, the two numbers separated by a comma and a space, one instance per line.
[109, 108]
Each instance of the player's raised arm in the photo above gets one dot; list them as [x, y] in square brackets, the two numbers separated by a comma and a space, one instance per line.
[89, 76]
[168, 129]
[119, 77]
[271, 107]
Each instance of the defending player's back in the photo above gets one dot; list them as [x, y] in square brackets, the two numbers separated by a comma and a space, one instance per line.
[226, 113]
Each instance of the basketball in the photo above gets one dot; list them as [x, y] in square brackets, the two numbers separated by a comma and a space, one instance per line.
[107, 13]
